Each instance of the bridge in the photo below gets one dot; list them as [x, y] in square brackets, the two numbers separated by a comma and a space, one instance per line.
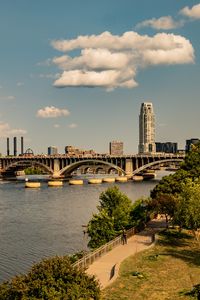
[63, 165]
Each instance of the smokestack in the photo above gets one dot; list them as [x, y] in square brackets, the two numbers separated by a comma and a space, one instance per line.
[15, 145]
[22, 145]
[8, 147]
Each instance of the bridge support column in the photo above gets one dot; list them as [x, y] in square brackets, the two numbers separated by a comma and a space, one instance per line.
[129, 167]
[56, 170]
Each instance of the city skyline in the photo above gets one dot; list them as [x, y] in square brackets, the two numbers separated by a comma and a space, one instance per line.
[108, 58]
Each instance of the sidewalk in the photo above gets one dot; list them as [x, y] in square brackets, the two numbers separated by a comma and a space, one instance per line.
[106, 268]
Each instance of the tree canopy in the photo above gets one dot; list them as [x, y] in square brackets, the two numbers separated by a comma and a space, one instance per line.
[178, 195]
[112, 218]
[51, 279]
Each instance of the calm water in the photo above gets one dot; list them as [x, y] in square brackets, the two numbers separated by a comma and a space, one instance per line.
[37, 223]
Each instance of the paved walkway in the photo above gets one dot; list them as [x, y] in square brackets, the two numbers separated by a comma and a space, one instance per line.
[106, 268]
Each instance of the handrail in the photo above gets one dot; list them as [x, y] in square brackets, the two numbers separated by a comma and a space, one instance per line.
[92, 256]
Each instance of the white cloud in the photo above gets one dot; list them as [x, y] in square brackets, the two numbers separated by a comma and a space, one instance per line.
[108, 79]
[73, 125]
[7, 97]
[193, 12]
[52, 112]
[164, 23]
[94, 59]
[112, 61]
[56, 126]
[181, 54]
[6, 130]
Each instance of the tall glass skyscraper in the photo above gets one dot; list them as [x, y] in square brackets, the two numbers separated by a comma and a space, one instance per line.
[146, 129]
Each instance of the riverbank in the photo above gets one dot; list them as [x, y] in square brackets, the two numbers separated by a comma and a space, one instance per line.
[165, 271]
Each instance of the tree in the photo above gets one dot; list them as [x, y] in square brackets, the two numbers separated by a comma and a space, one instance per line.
[170, 184]
[51, 279]
[164, 204]
[188, 207]
[117, 205]
[100, 229]
[113, 217]
[140, 212]
[192, 162]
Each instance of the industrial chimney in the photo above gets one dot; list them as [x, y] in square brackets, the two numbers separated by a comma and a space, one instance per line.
[8, 147]
[22, 145]
[15, 145]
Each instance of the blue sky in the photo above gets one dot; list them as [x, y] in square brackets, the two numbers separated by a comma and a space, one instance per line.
[75, 72]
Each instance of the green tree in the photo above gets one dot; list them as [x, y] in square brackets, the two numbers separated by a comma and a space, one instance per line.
[192, 162]
[114, 215]
[33, 171]
[100, 229]
[170, 184]
[140, 212]
[188, 208]
[51, 279]
[164, 204]
[117, 205]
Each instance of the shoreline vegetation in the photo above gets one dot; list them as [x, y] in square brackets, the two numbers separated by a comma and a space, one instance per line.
[176, 257]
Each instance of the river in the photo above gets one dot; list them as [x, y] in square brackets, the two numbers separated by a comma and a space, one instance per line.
[38, 223]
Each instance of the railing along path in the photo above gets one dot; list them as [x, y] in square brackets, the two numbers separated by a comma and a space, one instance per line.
[90, 257]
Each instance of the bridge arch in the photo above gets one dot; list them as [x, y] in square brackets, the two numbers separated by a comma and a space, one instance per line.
[158, 162]
[69, 169]
[27, 163]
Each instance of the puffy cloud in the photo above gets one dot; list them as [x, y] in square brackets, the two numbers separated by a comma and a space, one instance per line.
[73, 125]
[108, 79]
[6, 130]
[112, 61]
[193, 12]
[52, 112]
[181, 54]
[94, 59]
[164, 23]
[128, 41]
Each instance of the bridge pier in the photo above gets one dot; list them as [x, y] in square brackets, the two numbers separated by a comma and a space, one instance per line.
[129, 167]
[56, 168]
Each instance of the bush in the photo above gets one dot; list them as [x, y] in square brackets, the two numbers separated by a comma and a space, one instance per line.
[51, 279]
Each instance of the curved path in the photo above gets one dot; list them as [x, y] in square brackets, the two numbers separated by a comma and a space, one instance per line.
[106, 268]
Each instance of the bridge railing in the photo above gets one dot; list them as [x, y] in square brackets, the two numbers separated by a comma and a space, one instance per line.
[91, 257]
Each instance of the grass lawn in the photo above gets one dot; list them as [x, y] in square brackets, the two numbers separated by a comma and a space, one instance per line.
[165, 271]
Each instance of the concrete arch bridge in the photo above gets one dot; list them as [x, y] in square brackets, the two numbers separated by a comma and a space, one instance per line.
[63, 166]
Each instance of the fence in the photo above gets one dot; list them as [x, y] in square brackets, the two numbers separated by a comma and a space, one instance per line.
[90, 257]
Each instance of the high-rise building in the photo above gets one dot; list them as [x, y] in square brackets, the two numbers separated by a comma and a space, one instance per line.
[116, 148]
[146, 129]
[52, 150]
[167, 147]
